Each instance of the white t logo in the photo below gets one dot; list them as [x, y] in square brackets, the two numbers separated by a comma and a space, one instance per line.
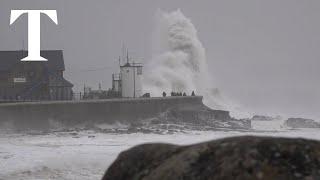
[33, 30]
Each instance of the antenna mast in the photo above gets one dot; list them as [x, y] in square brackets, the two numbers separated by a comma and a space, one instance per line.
[123, 52]
[127, 56]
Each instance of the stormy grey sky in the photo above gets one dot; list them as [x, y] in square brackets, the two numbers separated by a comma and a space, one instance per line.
[263, 54]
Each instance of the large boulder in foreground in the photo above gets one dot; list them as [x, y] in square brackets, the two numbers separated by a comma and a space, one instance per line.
[241, 158]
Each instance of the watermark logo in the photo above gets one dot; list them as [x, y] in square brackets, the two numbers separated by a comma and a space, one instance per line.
[33, 30]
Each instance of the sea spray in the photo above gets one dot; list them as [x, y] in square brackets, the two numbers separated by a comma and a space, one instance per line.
[179, 62]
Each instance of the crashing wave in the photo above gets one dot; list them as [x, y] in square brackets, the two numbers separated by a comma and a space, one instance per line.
[179, 63]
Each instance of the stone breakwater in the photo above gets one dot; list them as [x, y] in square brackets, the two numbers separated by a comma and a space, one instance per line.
[135, 112]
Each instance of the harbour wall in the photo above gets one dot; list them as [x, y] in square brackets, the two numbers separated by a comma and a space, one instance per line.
[71, 113]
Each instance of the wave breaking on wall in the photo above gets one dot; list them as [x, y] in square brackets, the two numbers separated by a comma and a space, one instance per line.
[179, 62]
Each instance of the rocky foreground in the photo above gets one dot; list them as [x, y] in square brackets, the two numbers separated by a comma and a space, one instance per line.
[241, 158]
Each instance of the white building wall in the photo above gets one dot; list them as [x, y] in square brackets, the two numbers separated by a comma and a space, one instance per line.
[131, 81]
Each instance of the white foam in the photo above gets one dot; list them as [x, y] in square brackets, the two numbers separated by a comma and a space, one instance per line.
[179, 62]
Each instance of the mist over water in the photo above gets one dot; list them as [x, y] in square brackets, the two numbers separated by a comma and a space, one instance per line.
[179, 62]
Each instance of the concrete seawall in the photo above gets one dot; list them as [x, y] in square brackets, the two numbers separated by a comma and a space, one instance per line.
[71, 113]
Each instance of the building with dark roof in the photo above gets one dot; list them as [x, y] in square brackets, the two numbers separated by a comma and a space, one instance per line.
[38, 80]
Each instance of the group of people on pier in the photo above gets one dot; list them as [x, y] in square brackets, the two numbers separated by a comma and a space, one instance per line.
[164, 94]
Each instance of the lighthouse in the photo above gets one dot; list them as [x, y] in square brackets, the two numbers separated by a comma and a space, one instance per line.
[131, 74]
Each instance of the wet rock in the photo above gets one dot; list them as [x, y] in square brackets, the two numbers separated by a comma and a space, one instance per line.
[198, 118]
[241, 158]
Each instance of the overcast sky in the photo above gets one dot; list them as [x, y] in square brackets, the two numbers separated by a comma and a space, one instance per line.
[264, 55]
